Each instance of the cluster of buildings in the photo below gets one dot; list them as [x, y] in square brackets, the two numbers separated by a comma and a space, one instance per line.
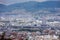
[18, 28]
[25, 35]
[30, 21]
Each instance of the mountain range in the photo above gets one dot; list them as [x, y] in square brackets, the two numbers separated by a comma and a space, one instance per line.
[31, 6]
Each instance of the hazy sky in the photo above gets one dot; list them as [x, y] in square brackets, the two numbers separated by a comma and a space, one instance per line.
[18, 1]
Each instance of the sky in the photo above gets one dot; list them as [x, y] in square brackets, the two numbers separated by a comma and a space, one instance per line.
[8, 2]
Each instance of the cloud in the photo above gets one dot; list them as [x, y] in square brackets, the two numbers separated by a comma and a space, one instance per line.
[40, 0]
[2, 1]
[18, 1]
[53, 0]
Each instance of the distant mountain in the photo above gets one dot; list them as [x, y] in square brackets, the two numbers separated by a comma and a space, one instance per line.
[3, 8]
[30, 6]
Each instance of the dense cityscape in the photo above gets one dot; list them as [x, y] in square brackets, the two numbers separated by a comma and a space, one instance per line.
[31, 20]
[20, 28]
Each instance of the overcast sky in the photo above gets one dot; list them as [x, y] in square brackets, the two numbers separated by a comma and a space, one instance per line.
[19, 1]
